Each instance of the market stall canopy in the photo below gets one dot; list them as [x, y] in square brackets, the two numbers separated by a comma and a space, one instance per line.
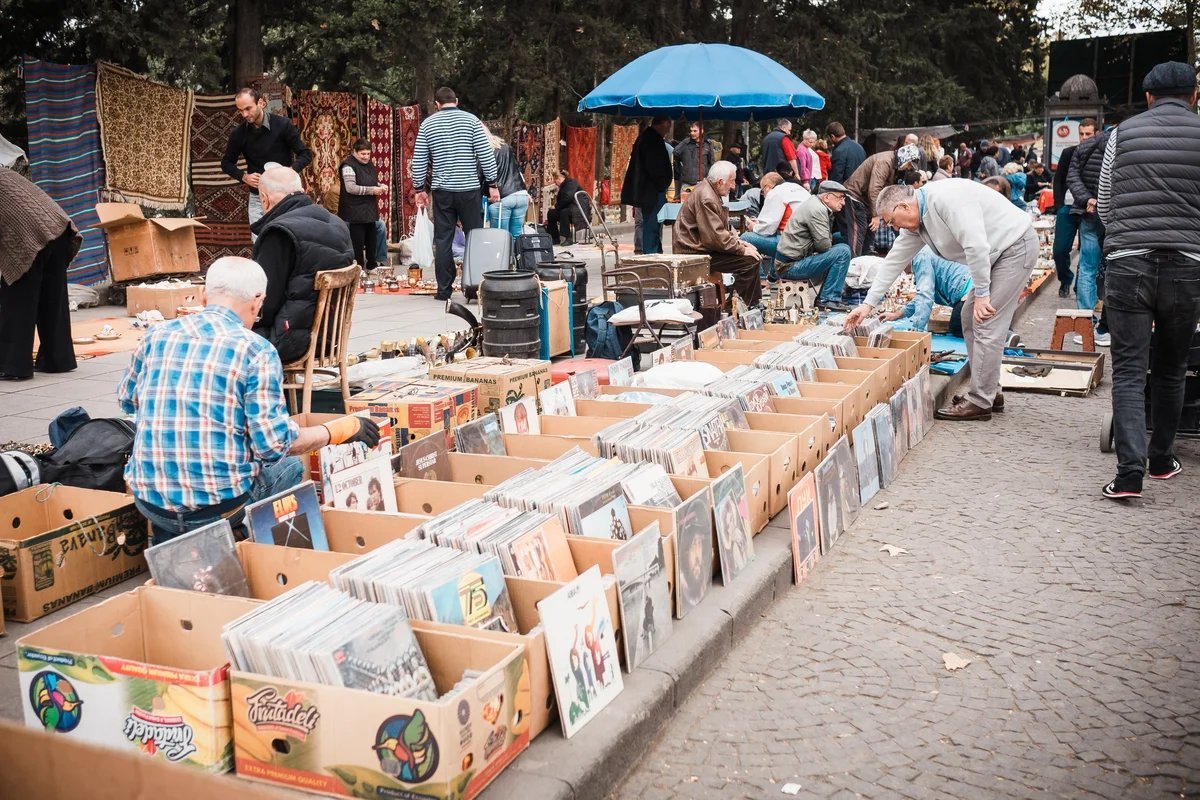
[715, 81]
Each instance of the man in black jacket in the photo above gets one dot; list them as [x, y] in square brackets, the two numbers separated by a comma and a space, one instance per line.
[847, 154]
[261, 138]
[1149, 200]
[296, 239]
[647, 179]
[1066, 226]
[1083, 179]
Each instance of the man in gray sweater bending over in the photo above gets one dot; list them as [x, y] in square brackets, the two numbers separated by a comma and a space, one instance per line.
[969, 223]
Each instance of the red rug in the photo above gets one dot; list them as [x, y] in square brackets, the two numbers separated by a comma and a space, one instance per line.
[623, 137]
[581, 157]
[329, 124]
[379, 134]
[529, 147]
[408, 120]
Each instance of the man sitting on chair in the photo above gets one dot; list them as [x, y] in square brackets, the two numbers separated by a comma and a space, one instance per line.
[213, 431]
[296, 239]
[806, 250]
[703, 227]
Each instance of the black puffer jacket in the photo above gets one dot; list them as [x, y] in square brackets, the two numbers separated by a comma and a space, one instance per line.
[1155, 182]
[509, 179]
[1083, 178]
[296, 240]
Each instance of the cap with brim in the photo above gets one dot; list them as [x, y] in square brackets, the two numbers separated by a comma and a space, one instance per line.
[832, 186]
[1170, 77]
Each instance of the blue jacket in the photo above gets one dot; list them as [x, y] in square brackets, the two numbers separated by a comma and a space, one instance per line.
[1016, 182]
[846, 157]
[938, 281]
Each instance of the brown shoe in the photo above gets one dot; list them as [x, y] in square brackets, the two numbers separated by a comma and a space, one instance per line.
[963, 409]
[997, 404]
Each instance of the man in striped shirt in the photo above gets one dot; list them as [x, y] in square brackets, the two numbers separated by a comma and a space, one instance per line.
[452, 152]
[213, 431]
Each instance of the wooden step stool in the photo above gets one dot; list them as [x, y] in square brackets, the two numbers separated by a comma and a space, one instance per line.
[1073, 320]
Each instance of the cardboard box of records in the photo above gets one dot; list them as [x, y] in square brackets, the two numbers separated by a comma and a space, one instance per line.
[500, 381]
[144, 671]
[335, 741]
[418, 408]
[59, 544]
[915, 344]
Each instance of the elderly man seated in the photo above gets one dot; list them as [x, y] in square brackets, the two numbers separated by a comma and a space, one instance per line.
[703, 227]
[780, 199]
[296, 239]
[213, 431]
[806, 250]
[938, 280]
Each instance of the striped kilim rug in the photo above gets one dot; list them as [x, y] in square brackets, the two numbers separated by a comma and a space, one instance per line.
[64, 153]
[219, 198]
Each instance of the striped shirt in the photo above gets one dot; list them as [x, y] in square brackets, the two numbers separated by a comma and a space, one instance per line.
[454, 147]
[210, 410]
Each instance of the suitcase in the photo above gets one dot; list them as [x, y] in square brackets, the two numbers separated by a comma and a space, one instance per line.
[534, 249]
[487, 250]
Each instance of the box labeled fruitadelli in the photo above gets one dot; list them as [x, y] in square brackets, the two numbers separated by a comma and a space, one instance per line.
[353, 743]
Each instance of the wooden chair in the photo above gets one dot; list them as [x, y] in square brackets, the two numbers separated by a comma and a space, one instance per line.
[327, 350]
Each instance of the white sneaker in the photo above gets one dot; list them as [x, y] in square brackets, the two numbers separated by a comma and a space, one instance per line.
[1103, 339]
[1077, 338]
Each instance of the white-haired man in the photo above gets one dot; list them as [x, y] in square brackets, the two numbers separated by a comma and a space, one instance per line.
[213, 431]
[969, 223]
[703, 227]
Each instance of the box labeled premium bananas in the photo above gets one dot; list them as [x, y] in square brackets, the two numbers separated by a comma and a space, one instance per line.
[354, 743]
[143, 671]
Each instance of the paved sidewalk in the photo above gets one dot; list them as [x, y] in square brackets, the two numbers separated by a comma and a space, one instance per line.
[1078, 614]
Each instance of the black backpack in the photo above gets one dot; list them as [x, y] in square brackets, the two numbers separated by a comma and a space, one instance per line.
[92, 457]
[534, 249]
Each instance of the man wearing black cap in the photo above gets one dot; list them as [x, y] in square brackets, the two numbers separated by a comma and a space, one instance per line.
[1149, 200]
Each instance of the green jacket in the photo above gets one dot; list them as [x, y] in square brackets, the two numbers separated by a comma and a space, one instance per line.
[809, 231]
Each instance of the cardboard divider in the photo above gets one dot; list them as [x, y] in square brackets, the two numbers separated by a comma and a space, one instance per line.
[360, 532]
[896, 365]
[272, 570]
[330, 739]
[821, 400]
[582, 425]
[610, 409]
[783, 459]
[813, 435]
[751, 345]
[791, 330]
[756, 471]
[488, 470]
[424, 497]
[547, 448]
[879, 381]
[144, 665]
[861, 399]
[921, 341]
[59, 544]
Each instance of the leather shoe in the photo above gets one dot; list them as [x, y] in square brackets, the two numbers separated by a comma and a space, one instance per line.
[997, 403]
[4, 376]
[1064, 290]
[963, 409]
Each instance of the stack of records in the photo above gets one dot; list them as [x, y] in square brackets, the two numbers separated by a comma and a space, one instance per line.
[439, 584]
[678, 451]
[317, 634]
[877, 332]
[802, 361]
[582, 490]
[529, 544]
[649, 485]
[780, 382]
[711, 417]
[830, 337]
[754, 395]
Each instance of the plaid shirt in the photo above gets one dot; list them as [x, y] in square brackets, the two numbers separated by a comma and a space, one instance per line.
[209, 401]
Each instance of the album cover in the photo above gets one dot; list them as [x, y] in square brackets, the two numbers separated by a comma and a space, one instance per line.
[481, 436]
[620, 373]
[727, 328]
[291, 518]
[203, 560]
[752, 320]
[640, 566]
[605, 515]
[848, 478]
[585, 385]
[758, 399]
[366, 487]
[802, 511]
[885, 444]
[831, 506]
[426, 458]
[520, 417]
[682, 349]
[710, 338]
[557, 400]
[866, 457]
[531, 555]
[732, 516]
[693, 552]
[899, 406]
[582, 650]
[477, 598]
[661, 356]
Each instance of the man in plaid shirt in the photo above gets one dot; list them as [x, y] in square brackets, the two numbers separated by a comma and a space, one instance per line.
[213, 431]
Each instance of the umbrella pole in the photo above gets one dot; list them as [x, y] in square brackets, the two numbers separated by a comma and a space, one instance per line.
[700, 154]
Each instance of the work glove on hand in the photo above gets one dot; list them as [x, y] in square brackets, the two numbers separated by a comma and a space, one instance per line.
[353, 429]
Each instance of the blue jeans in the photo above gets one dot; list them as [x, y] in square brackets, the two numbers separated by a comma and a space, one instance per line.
[651, 228]
[1091, 241]
[829, 267]
[272, 479]
[509, 213]
[767, 246]
[381, 243]
[1066, 227]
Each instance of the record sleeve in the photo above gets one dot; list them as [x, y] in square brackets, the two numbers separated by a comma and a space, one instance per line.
[585, 385]
[426, 458]
[481, 436]
[831, 504]
[620, 373]
[291, 518]
[366, 487]
[520, 417]
[477, 598]
[203, 560]
[731, 513]
[866, 457]
[802, 511]
[640, 567]
[693, 552]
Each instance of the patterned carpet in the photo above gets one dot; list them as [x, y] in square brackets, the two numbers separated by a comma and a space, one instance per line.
[552, 136]
[379, 133]
[328, 124]
[64, 153]
[144, 130]
[408, 120]
[219, 199]
[623, 137]
[529, 146]
[581, 157]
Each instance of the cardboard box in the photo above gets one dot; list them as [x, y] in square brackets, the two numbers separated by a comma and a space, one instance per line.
[49, 767]
[489, 470]
[143, 671]
[358, 532]
[165, 298]
[140, 247]
[333, 741]
[418, 496]
[895, 361]
[756, 472]
[555, 328]
[499, 381]
[782, 452]
[60, 543]
[813, 435]
[547, 447]
[939, 319]
[418, 408]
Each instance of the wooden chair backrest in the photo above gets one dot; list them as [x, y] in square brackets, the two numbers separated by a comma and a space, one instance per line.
[336, 289]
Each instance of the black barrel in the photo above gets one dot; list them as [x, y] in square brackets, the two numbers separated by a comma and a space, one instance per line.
[575, 273]
[511, 315]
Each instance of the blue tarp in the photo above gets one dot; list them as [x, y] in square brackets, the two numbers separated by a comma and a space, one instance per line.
[718, 81]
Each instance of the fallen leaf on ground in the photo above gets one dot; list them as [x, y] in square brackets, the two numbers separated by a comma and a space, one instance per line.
[791, 788]
[954, 661]
[882, 506]
[892, 550]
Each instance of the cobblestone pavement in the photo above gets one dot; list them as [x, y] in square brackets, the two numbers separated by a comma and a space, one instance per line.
[1078, 614]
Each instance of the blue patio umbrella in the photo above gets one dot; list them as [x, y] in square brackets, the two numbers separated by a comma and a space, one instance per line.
[711, 81]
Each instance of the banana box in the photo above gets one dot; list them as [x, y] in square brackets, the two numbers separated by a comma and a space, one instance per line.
[353, 743]
[143, 671]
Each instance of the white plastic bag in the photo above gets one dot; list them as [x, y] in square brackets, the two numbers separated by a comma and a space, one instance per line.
[422, 245]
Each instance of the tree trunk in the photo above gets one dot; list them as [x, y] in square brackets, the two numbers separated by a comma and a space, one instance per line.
[247, 42]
